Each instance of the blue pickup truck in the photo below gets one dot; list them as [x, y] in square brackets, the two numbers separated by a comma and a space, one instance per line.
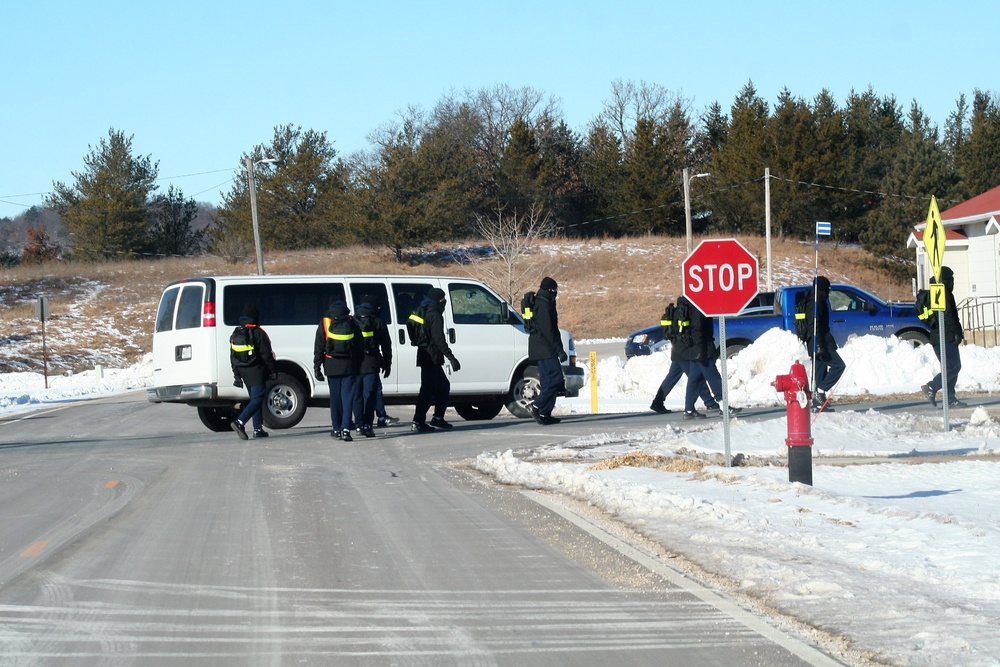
[853, 311]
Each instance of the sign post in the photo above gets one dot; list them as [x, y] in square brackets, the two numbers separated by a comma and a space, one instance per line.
[720, 278]
[42, 313]
[934, 245]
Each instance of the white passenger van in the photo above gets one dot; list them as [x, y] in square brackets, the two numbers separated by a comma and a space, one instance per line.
[196, 317]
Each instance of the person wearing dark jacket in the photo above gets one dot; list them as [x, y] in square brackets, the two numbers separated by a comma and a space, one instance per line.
[698, 350]
[821, 345]
[673, 330]
[377, 359]
[253, 365]
[545, 348]
[953, 336]
[432, 350]
[337, 352]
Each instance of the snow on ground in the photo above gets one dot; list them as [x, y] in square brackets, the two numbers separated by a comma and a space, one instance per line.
[900, 557]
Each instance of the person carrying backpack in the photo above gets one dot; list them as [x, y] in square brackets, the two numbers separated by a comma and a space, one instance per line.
[432, 350]
[676, 324]
[252, 361]
[820, 343]
[953, 336]
[377, 357]
[337, 352]
[545, 348]
[700, 354]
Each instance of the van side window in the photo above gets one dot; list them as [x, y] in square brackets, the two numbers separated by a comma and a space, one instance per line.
[360, 290]
[284, 304]
[189, 309]
[472, 304]
[407, 297]
[165, 315]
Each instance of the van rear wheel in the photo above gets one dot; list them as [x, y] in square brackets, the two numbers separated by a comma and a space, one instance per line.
[523, 392]
[284, 403]
[218, 419]
[480, 411]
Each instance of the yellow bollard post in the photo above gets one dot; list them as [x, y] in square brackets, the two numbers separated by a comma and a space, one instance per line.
[593, 382]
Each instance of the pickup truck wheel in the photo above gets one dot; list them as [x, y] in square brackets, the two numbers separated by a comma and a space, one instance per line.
[218, 419]
[480, 411]
[523, 392]
[734, 349]
[914, 338]
[284, 403]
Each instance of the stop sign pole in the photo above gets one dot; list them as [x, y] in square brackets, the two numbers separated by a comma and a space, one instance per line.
[720, 278]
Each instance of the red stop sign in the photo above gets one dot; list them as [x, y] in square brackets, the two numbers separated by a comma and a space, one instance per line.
[720, 277]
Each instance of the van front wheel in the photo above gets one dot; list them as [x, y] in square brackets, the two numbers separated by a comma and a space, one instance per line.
[523, 392]
[218, 419]
[285, 402]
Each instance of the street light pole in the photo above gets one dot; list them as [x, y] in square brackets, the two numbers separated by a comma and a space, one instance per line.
[252, 184]
[687, 203]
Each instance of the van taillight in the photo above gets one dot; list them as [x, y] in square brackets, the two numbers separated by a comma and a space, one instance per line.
[208, 314]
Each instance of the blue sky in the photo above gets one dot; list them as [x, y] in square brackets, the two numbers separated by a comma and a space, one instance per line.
[197, 84]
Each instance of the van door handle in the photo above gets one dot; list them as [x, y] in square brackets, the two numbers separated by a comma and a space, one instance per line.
[451, 336]
[402, 336]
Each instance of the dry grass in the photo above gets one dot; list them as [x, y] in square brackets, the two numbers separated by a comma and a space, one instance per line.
[103, 313]
[645, 460]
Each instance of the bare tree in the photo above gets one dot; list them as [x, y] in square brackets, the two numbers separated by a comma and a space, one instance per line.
[511, 238]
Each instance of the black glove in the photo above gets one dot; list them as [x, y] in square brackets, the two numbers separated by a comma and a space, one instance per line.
[563, 356]
[318, 374]
[455, 366]
[386, 369]
[238, 382]
[273, 375]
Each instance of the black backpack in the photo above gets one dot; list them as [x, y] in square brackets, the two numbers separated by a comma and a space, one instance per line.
[668, 324]
[923, 305]
[241, 347]
[416, 328]
[366, 322]
[802, 316]
[528, 312]
[340, 337]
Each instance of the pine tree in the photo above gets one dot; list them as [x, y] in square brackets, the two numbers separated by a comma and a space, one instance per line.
[170, 230]
[737, 167]
[106, 208]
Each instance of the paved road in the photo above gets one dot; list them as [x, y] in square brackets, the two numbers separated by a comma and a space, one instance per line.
[131, 535]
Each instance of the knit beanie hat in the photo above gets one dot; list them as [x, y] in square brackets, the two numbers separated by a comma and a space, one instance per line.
[436, 294]
[549, 284]
[823, 284]
[251, 311]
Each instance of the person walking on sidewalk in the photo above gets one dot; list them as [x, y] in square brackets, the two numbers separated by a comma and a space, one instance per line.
[545, 349]
[252, 361]
[432, 350]
[953, 337]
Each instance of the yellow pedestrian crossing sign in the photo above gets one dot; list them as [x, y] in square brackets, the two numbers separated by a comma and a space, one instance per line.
[938, 299]
[934, 239]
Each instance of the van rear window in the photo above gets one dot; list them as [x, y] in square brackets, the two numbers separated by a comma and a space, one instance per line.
[165, 314]
[189, 309]
[286, 304]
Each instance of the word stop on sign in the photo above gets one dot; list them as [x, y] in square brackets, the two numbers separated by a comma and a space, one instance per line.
[724, 277]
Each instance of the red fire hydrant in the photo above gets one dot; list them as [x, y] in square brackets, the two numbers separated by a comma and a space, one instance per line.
[795, 387]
